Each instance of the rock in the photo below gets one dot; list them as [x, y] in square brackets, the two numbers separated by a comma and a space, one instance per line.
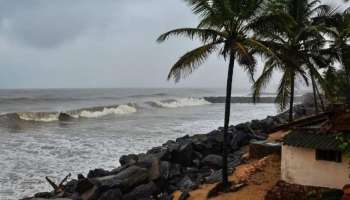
[191, 170]
[118, 170]
[45, 195]
[70, 186]
[142, 192]
[114, 194]
[187, 184]
[233, 161]
[216, 136]
[183, 139]
[64, 117]
[184, 195]
[213, 161]
[128, 159]
[171, 146]
[125, 180]
[98, 173]
[214, 177]
[151, 163]
[39, 198]
[91, 194]
[161, 153]
[184, 155]
[255, 125]
[196, 162]
[175, 170]
[240, 139]
[165, 169]
[164, 196]
[80, 177]
[83, 185]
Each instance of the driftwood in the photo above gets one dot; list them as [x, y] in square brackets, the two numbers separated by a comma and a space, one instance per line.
[60, 187]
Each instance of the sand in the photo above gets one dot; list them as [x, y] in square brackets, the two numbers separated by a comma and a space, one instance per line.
[260, 176]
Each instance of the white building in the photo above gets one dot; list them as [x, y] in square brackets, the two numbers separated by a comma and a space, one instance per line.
[311, 155]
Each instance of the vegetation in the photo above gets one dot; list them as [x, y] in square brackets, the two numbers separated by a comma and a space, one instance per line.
[344, 145]
[292, 29]
[224, 28]
[299, 38]
[339, 32]
[337, 86]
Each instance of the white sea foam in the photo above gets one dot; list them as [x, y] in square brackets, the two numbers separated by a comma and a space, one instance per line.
[182, 102]
[83, 113]
[38, 117]
[119, 110]
[96, 112]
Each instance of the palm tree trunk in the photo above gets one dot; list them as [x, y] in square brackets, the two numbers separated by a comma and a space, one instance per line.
[227, 120]
[314, 93]
[320, 97]
[347, 98]
[291, 103]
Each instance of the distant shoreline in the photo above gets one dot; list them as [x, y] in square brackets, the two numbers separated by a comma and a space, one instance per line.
[246, 99]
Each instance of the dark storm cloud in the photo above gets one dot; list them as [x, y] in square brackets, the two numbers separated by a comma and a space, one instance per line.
[47, 24]
[50, 23]
[98, 43]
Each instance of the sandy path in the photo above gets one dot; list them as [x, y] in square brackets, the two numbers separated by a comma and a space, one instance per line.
[260, 175]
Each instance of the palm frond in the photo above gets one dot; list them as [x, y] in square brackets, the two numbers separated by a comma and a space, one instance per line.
[204, 35]
[245, 59]
[264, 78]
[283, 91]
[190, 61]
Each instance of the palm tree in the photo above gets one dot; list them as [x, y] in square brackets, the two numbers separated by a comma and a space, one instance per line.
[289, 31]
[339, 34]
[223, 28]
[341, 38]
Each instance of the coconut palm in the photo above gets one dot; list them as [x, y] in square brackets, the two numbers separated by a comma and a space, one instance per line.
[290, 30]
[340, 37]
[339, 34]
[224, 29]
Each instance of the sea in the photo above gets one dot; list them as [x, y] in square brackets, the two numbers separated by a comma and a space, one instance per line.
[102, 125]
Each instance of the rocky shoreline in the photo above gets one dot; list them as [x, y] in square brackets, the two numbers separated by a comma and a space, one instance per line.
[181, 164]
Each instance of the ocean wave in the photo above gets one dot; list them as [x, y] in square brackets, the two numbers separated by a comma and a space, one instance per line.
[38, 116]
[100, 111]
[94, 112]
[118, 110]
[178, 103]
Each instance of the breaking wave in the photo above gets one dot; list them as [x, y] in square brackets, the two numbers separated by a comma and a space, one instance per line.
[100, 111]
[38, 116]
[178, 103]
[103, 111]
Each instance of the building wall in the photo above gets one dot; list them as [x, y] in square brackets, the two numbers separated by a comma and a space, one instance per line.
[299, 166]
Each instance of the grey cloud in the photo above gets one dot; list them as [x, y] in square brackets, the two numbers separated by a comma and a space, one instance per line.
[47, 24]
[50, 23]
[99, 43]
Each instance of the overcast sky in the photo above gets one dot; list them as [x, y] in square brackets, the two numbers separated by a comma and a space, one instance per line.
[98, 43]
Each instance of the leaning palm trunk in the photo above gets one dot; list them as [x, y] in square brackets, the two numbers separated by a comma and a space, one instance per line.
[291, 103]
[347, 98]
[227, 120]
[314, 93]
[320, 97]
